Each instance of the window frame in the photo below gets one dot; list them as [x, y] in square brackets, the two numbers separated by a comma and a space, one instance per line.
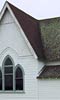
[18, 65]
[8, 56]
[14, 69]
[2, 79]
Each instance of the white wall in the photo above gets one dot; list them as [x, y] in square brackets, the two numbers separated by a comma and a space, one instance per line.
[49, 89]
[12, 43]
[10, 36]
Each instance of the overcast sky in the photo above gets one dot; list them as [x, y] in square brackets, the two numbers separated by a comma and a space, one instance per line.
[40, 9]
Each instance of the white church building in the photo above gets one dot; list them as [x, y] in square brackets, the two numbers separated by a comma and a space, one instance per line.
[29, 56]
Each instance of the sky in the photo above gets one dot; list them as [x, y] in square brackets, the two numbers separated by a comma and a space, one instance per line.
[39, 9]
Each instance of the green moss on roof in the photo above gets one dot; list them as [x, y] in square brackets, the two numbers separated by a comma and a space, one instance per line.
[50, 31]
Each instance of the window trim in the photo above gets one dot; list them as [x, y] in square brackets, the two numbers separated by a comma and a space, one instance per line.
[2, 78]
[18, 65]
[14, 69]
[8, 56]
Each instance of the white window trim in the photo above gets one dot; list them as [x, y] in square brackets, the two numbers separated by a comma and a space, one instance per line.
[14, 69]
[23, 76]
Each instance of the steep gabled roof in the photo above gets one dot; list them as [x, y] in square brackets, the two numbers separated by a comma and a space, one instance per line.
[52, 71]
[31, 29]
[43, 35]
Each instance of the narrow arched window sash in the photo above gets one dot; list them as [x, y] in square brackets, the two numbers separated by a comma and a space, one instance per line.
[19, 79]
[8, 74]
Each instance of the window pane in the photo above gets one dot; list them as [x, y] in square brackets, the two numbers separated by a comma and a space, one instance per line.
[18, 72]
[8, 70]
[0, 74]
[19, 79]
[19, 84]
[8, 82]
[8, 62]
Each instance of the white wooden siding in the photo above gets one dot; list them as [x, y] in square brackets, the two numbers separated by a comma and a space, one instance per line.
[12, 43]
[49, 89]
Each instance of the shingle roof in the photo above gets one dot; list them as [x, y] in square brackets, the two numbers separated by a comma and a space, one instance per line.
[50, 31]
[31, 29]
[52, 71]
[43, 35]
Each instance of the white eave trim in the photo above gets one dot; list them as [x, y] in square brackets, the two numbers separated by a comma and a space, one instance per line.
[3, 10]
[6, 5]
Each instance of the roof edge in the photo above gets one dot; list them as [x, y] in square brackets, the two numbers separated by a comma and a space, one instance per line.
[7, 5]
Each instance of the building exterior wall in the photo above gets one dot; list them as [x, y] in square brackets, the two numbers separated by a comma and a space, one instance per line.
[49, 89]
[12, 43]
[10, 36]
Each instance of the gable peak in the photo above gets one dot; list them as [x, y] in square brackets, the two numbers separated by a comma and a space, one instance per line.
[30, 27]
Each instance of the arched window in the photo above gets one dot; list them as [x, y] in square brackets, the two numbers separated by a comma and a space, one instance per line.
[11, 77]
[8, 61]
[0, 80]
[18, 78]
[8, 73]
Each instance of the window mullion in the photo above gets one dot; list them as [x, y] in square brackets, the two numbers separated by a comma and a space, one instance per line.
[3, 79]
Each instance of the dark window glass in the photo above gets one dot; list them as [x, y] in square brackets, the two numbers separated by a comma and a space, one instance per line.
[8, 62]
[0, 80]
[19, 79]
[0, 74]
[8, 69]
[8, 74]
[8, 82]
[19, 84]
[19, 73]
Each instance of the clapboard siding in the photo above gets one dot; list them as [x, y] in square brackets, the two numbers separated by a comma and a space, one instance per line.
[49, 89]
[7, 18]
[12, 43]
[10, 36]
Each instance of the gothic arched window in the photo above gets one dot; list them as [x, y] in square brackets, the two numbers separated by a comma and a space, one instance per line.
[11, 77]
[18, 78]
[8, 74]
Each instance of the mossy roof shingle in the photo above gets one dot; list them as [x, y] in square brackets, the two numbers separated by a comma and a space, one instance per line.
[43, 35]
[52, 71]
